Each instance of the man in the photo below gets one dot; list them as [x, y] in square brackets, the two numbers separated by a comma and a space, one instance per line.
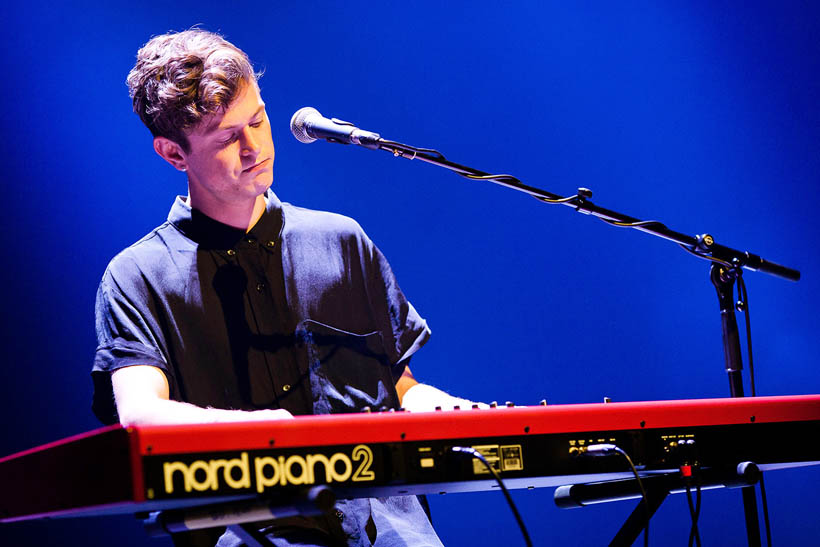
[241, 307]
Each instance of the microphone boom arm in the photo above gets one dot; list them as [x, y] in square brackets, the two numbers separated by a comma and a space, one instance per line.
[702, 246]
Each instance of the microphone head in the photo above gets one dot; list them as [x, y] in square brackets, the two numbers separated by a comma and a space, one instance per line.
[298, 124]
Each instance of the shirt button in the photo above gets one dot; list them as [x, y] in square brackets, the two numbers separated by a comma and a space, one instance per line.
[270, 244]
[231, 252]
[250, 241]
[286, 387]
[260, 287]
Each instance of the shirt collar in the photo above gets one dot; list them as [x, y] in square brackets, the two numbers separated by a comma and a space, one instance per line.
[212, 234]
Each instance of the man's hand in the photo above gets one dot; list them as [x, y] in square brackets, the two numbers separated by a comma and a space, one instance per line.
[257, 415]
[405, 382]
[141, 394]
[417, 397]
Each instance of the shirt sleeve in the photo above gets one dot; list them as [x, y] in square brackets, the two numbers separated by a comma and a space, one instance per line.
[403, 329]
[125, 337]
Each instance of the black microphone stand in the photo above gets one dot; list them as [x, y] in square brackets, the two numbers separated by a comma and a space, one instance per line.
[727, 265]
[723, 279]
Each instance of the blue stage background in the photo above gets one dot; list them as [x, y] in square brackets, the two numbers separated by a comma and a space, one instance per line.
[704, 115]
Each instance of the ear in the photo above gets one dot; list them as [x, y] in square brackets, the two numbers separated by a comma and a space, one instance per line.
[170, 152]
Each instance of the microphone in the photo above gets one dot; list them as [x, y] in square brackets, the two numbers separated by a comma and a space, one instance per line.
[307, 125]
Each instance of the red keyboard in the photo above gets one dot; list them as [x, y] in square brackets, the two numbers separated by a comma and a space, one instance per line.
[117, 470]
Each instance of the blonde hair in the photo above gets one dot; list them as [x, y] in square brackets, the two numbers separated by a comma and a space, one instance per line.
[182, 77]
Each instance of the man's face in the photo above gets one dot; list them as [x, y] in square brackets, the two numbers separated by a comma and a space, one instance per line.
[231, 154]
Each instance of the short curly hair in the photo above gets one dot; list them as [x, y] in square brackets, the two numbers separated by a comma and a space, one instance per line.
[180, 78]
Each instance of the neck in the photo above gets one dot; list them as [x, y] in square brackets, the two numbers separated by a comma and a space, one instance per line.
[239, 215]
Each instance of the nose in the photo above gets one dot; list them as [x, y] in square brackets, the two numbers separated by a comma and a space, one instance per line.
[250, 142]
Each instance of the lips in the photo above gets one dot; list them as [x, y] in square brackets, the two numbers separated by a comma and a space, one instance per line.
[255, 166]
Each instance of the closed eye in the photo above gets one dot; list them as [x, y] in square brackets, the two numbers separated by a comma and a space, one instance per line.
[259, 122]
[229, 140]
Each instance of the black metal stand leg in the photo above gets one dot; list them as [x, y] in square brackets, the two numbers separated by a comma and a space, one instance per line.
[636, 522]
[750, 509]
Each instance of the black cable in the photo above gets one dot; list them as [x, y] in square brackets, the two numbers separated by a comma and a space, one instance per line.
[693, 517]
[643, 493]
[501, 177]
[504, 178]
[393, 146]
[603, 450]
[476, 454]
[706, 256]
[743, 303]
[694, 512]
[639, 224]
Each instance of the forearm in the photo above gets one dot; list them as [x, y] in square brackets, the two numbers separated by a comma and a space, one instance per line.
[166, 412]
[141, 395]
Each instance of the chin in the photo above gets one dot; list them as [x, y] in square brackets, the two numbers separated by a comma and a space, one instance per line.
[262, 185]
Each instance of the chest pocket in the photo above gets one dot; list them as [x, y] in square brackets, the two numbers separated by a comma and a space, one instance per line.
[347, 371]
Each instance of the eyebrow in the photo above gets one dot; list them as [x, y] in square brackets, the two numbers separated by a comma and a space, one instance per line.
[218, 129]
